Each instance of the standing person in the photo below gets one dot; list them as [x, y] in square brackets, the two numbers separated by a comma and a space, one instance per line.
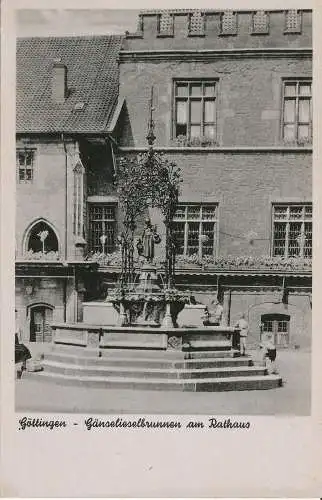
[269, 352]
[242, 326]
[217, 312]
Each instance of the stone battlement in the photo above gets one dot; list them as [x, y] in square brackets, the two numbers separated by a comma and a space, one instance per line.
[223, 29]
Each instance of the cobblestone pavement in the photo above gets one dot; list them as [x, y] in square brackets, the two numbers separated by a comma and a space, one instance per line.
[291, 399]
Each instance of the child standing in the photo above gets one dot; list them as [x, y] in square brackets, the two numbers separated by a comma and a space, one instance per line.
[269, 352]
[242, 326]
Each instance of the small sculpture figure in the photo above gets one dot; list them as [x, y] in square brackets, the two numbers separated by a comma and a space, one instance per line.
[145, 244]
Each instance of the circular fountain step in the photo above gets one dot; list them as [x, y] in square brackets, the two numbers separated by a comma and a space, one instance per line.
[234, 383]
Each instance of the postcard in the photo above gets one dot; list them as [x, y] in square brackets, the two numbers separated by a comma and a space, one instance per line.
[160, 201]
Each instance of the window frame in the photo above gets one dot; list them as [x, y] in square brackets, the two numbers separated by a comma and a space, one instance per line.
[226, 33]
[253, 30]
[287, 221]
[25, 150]
[91, 239]
[297, 30]
[200, 221]
[164, 34]
[196, 33]
[188, 99]
[297, 81]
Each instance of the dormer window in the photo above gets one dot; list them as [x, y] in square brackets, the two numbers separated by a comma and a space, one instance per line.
[25, 165]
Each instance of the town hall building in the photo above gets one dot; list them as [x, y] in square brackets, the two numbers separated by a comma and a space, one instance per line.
[232, 107]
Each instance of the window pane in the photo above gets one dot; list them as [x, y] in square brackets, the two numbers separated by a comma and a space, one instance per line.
[294, 239]
[209, 131]
[181, 112]
[28, 159]
[305, 89]
[279, 239]
[21, 158]
[304, 110]
[209, 89]
[290, 89]
[280, 212]
[29, 174]
[193, 238]
[208, 230]
[21, 175]
[308, 212]
[289, 132]
[178, 234]
[195, 111]
[282, 326]
[296, 212]
[181, 130]
[195, 131]
[308, 239]
[289, 110]
[209, 212]
[267, 326]
[304, 132]
[180, 213]
[194, 212]
[182, 89]
[209, 111]
[195, 89]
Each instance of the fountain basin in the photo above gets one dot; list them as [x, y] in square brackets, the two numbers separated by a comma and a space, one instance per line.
[99, 337]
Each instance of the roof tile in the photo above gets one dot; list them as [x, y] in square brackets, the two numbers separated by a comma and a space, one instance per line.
[92, 77]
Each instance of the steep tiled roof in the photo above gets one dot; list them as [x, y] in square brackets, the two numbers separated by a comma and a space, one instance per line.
[92, 78]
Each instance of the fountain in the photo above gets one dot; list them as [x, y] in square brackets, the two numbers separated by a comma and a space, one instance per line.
[147, 334]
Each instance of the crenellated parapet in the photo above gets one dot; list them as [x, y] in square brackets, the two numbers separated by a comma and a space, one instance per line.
[213, 29]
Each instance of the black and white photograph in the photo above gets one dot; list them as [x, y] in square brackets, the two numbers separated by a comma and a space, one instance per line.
[164, 230]
[164, 212]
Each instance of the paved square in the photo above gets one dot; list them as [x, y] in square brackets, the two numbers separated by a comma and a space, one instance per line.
[294, 398]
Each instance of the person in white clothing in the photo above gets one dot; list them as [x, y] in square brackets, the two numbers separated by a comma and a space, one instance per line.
[269, 352]
[242, 326]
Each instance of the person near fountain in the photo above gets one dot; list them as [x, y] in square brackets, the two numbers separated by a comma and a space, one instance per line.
[242, 326]
[145, 244]
[269, 352]
[217, 312]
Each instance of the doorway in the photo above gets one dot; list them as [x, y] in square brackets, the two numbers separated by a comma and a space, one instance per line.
[279, 325]
[40, 323]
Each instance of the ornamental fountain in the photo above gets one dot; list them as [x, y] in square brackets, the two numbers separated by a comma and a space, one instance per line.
[146, 334]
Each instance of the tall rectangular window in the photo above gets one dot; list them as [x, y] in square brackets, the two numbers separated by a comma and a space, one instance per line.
[25, 165]
[195, 109]
[292, 230]
[102, 228]
[297, 111]
[195, 229]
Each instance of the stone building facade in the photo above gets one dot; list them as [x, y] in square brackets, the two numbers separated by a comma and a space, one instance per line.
[232, 96]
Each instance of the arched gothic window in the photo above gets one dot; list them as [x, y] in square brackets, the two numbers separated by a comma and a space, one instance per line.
[42, 239]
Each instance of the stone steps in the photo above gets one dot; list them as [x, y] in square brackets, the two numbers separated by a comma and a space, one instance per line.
[233, 383]
[150, 354]
[144, 362]
[140, 372]
[142, 369]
